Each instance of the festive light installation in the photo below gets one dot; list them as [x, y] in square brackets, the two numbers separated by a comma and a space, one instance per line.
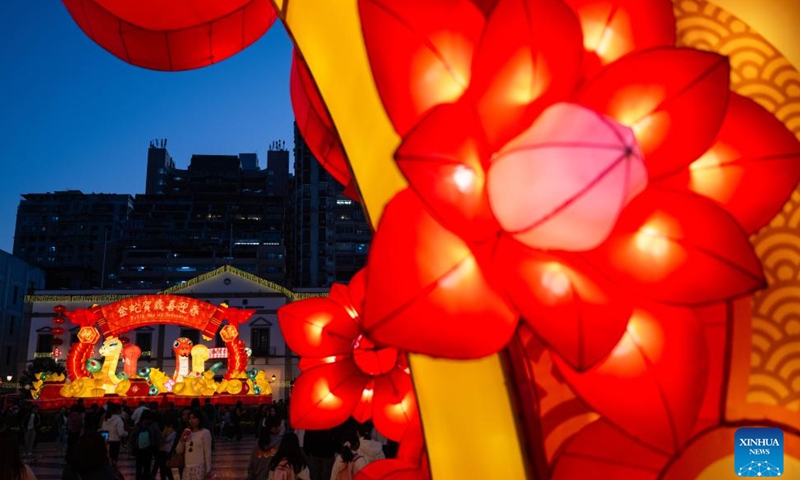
[626, 300]
[182, 35]
[344, 372]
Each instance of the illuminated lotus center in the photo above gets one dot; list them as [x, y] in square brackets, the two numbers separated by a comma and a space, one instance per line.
[562, 183]
[371, 359]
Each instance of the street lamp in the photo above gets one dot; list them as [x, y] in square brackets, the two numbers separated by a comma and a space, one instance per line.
[8, 378]
[273, 379]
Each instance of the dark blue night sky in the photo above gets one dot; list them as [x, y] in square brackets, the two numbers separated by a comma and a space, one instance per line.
[72, 116]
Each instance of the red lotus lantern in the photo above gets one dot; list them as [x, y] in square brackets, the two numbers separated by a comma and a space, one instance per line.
[57, 353]
[178, 35]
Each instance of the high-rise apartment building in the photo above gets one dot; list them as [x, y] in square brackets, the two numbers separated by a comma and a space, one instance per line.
[222, 210]
[71, 235]
[296, 230]
[329, 235]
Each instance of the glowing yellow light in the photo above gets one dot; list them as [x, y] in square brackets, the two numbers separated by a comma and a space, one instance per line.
[314, 328]
[351, 311]
[652, 241]
[464, 178]
[640, 126]
[327, 399]
[454, 278]
[604, 43]
[555, 280]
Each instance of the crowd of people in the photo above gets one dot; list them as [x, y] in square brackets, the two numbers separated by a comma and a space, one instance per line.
[162, 439]
[335, 454]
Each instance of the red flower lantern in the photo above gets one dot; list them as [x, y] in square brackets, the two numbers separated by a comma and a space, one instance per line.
[582, 192]
[344, 372]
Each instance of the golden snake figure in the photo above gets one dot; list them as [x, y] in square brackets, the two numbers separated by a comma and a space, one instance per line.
[110, 351]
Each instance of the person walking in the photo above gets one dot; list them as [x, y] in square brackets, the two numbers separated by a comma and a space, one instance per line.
[289, 462]
[91, 460]
[195, 446]
[165, 451]
[145, 441]
[320, 448]
[60, 422]
[348, 462]
[74, 430]
[31, 423]
[115, 427]
[370, 449]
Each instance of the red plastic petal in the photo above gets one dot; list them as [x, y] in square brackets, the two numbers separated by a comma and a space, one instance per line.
[307, 363]
[315, 124]
[442, 159]
[425, 291]
[363, 410]
[615, 28]
[578, 315]
[325, 396]
[394, 404]
[179, 35]
[652, 384]
[529, 57]
[678, 248]
[674, 99]
[338, 294]
[596, 449]
[420, 52]
[318, 327]
[752, 168]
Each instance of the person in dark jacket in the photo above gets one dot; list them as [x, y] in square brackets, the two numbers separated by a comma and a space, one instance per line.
[320, 446]
[145, 441]
[30, 426]
[90, 461]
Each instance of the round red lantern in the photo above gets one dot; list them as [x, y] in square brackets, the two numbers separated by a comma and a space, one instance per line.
[125, 340]
[58, 341]
[58, 331]
[60, 310]
[59, 321]
[175, 35]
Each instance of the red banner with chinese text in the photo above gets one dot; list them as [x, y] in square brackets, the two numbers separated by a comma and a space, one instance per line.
[125, 315]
